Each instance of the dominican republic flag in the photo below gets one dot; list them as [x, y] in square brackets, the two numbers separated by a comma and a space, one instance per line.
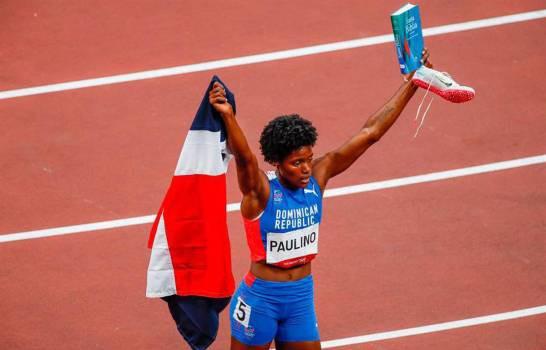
[189, 238]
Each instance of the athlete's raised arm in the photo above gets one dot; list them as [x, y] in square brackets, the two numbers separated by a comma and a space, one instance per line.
[252, 181]
[338, 160]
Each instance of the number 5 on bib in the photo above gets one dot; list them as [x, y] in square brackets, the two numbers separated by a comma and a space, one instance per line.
[242, 311]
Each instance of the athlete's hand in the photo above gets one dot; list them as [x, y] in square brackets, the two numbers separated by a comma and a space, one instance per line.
[424, 60]
[218, 100]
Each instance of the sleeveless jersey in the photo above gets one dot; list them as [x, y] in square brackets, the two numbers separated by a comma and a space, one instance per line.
[286, 233]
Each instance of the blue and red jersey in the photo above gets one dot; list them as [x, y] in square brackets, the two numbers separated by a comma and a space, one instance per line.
[286, 233]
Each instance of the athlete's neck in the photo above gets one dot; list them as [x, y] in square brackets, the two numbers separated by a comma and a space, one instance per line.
[285, 183]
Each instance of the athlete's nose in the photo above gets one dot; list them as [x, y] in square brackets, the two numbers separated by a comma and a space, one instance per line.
[305, 168]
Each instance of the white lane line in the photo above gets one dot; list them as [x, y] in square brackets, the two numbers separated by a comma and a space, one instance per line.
[434, 327]
[66, 230]
[341, 191]
[442, 175]
[272, 56]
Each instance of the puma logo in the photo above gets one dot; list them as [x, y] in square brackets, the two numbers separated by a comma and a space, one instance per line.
[305, 190]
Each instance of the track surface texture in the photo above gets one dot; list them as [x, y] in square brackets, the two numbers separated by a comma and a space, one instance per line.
[390, 259]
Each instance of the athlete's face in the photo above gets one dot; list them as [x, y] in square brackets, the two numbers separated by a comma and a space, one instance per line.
[295, 169]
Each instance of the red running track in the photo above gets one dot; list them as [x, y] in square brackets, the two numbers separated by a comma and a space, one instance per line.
[389, 259]
[44, 43]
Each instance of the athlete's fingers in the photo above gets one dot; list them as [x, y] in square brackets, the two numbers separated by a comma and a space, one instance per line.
[425, 58]
[219, 99]
[219, 91]
[216, 94]
[425, 55]
[218, 87]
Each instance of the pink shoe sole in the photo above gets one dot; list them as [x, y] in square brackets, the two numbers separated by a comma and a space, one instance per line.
[452, 95]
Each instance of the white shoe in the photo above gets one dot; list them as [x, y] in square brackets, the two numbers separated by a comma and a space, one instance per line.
[442, 84]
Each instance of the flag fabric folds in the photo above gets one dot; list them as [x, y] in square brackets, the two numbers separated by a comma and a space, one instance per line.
[189, 238]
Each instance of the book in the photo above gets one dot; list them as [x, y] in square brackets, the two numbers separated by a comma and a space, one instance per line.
[408, 37]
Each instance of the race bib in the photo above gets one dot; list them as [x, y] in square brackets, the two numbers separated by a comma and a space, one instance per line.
[293, 244]
[242, 312]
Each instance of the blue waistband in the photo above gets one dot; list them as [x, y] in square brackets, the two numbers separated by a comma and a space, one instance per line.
[289, 288]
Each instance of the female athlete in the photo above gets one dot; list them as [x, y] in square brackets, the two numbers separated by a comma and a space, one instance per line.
[281, 212]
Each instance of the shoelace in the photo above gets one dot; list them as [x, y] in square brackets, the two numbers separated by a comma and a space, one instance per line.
[421, 104]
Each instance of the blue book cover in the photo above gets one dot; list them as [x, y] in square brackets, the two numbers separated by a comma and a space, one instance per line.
[408, 37]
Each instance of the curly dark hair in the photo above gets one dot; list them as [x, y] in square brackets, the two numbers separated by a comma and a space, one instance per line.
[285, 134]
